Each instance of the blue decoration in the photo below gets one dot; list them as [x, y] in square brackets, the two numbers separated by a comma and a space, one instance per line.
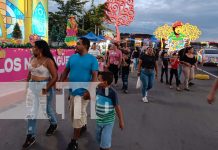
[16, 12]
[39, 21]
[13, 12]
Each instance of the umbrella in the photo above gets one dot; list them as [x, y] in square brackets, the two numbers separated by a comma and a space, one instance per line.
[101, 37]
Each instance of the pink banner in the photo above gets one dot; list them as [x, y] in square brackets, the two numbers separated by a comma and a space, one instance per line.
[14, 67]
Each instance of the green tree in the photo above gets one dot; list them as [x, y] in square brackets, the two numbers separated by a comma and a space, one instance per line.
[61, 35]
[60, 17]
[17, 34]
[53, 34]
[93, 19]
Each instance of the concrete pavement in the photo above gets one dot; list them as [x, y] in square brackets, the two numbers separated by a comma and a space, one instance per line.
[171, 121]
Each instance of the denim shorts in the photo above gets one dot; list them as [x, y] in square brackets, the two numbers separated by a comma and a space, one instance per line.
[104, 135]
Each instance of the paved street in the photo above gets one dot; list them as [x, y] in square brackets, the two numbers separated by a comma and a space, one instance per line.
[171, 121]
[211, 69]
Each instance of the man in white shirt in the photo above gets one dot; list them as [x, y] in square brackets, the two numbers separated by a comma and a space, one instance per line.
[94, 51]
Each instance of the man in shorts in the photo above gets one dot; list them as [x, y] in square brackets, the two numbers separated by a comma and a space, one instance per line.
[81, 67]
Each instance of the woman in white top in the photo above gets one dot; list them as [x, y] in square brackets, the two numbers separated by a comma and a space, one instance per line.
[42, 78]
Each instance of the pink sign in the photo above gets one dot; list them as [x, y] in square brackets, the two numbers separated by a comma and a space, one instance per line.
[14, 67]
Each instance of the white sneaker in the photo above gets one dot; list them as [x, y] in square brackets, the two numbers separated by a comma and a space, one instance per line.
[145, 99]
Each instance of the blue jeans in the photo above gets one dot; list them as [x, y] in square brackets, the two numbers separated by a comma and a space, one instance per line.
[180, 72]
[125, 81]
[35, 90]
[147, 78]
[104, 135]
[136, 60]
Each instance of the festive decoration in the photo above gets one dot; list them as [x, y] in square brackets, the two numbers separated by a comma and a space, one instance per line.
[31, 15]
[2, 54]
[120, 12]
[33, 38]
[17, 34]
[177, 35]
[72, 31]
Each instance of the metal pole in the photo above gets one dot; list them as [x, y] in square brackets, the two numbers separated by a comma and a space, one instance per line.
[83, 22]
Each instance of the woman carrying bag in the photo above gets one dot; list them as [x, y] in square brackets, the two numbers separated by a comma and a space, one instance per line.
[147, 71]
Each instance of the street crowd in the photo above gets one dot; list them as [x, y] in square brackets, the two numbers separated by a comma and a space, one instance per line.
[89, 64]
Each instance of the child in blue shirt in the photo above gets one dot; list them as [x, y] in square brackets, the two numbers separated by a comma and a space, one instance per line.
[106, 108]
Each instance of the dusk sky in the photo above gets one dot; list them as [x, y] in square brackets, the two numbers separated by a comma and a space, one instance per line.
[149, 14]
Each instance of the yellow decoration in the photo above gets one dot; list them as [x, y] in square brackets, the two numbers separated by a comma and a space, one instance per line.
[192, 32]
[163, 32]
[185, 33]
[202, 77]
[2, 53]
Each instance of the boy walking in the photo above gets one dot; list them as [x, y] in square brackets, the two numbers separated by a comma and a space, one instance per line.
[106, 108]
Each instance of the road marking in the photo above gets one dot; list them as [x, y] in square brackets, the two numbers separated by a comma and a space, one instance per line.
[207, 73]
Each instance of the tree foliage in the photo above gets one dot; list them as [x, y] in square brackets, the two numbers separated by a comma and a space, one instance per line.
[93, 18]
[87, 20]
[60, 17]
[17, 34]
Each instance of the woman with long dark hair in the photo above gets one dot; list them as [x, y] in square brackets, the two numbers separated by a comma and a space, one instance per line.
[147, 70]
[188, 66]
[41, 80]
[135, 57]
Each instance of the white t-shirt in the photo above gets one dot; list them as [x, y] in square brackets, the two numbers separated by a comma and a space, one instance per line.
[94, 52]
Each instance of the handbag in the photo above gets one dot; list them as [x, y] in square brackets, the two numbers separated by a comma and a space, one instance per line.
[138, 83]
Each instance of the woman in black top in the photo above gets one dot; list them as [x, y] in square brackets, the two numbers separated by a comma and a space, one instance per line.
[189, 62]
[135, 57]
[164, 63]
[125, 70]
[146, 70]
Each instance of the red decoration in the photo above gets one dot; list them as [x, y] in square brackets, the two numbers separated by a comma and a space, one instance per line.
[120, 12]
[177, 24]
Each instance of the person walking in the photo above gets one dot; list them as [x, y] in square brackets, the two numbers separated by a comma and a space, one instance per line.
[174, 71]
[135, 57]
[81, 67]
[107, 107]
[164, 68]
[181, 55]
[114, 61]
[148, 71]
[41, 79]
[189, 63]
[125, 70]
